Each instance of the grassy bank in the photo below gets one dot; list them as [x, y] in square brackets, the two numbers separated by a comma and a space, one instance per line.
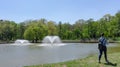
[87, 62]
[91, 61]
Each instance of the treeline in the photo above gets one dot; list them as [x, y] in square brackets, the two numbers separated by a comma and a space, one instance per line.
[35, 30]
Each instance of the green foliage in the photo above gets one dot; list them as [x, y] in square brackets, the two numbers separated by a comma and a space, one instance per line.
[52, 29]
[35, 30]
[20, 30]
[7, 30]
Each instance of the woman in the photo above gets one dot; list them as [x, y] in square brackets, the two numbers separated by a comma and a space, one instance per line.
[102, 47]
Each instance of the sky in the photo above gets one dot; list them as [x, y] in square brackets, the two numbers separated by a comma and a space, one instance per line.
[57, 10]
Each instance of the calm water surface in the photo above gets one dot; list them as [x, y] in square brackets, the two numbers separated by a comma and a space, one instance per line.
[18, 56]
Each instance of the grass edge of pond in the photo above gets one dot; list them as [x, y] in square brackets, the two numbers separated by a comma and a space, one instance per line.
[90, 61]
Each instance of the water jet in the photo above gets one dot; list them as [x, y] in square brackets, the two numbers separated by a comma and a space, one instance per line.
[52, 41]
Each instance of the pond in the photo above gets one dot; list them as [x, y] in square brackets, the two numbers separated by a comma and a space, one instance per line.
[18, 56]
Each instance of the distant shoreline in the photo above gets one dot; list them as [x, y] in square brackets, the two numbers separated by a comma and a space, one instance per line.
[85, 41]
[69, 41]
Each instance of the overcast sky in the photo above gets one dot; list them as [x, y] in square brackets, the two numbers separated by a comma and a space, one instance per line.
[57, 10]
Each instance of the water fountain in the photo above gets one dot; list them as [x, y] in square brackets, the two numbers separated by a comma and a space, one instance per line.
[21, 42]
[51, 41]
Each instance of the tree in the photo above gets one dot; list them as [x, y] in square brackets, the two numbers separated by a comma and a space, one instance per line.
[78, 29]
[52, 29]
[21, 27]
[8, 30]
[35, 31]
[118, 22]
[60, 29]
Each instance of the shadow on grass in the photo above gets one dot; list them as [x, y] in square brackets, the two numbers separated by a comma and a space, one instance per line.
[111, 64]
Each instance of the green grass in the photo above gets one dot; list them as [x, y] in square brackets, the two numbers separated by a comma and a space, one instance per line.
[91, 61]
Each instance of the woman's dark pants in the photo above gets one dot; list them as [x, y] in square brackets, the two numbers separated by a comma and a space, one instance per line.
[103, 49]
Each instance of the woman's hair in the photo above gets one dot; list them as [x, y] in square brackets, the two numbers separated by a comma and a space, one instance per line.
[102, 34]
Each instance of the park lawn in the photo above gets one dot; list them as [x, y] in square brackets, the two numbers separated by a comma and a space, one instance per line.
[91, 61]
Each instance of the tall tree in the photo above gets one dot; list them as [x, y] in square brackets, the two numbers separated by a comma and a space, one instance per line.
[118, 21]
[52, 29]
